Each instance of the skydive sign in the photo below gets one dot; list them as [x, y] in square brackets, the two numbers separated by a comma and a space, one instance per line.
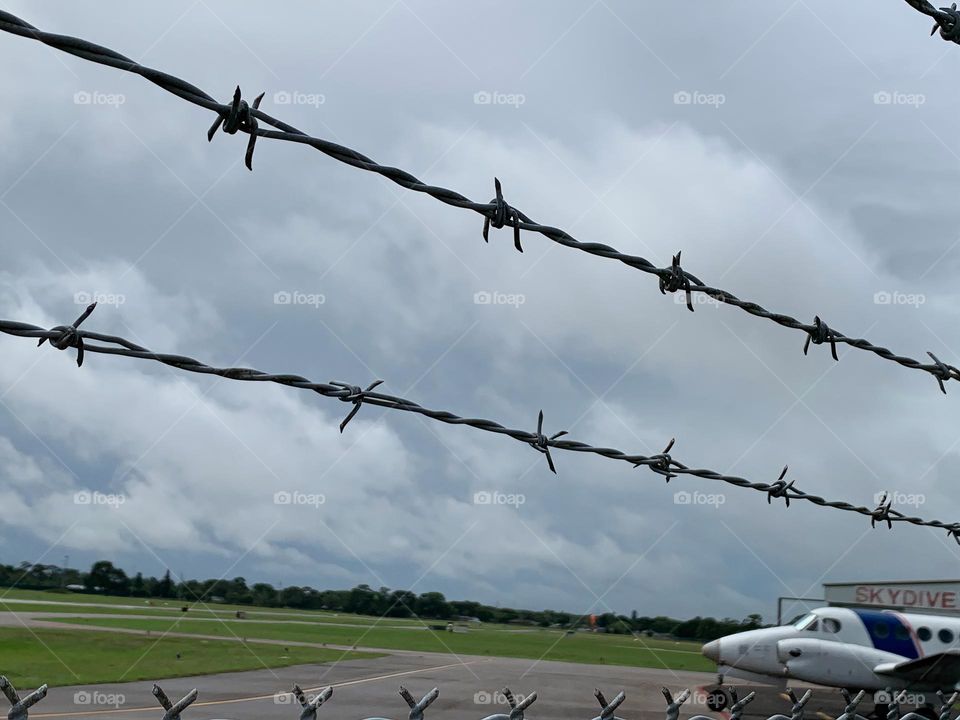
[929, 596]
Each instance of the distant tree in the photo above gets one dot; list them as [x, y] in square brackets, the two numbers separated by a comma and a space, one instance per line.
[433, 605]
[164, 587]
[103, 576]
[264, 595]
[137, 586]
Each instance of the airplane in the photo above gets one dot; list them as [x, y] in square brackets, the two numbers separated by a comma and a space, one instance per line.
[848, 648]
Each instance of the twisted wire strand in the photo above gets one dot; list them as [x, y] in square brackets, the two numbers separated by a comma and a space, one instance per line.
[239, 116]
[69, 336]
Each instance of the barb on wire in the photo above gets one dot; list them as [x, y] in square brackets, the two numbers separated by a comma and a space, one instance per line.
[356, 397]
[240, 117]
[674, 278]
[946, 19]
[501, 215]
[662, 464]
[781, 488]
[69, 336]
[541, 443]
[821, 334]
[19, 707]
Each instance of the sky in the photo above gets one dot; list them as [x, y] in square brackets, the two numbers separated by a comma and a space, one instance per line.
[800, 154]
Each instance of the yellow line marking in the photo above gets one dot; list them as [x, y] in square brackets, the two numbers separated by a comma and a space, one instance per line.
[210, 703]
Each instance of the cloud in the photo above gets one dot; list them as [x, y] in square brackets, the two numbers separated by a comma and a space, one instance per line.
[804, 196]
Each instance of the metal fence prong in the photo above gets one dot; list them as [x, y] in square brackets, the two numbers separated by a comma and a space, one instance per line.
[173, 710]
[674, 703]
[308, 706]
[736, 710]
[20, 706]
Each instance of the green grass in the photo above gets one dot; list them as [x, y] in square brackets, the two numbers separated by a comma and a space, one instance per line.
[538, 644]
[81, 603]
[70, 657]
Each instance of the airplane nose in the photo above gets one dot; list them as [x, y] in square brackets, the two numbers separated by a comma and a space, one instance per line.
[711, 650]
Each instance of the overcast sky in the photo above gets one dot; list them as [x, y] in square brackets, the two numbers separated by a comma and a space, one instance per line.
[801, 154]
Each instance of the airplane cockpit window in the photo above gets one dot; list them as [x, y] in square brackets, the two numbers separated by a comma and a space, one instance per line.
[945, 636]
[807, 622]
[830, 625]
[901, 633]
[881, 630]
[924, 633]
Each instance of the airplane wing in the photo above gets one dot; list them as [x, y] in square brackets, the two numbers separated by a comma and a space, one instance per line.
[941, 670]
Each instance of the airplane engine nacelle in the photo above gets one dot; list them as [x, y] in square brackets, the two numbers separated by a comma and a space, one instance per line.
[833, 663]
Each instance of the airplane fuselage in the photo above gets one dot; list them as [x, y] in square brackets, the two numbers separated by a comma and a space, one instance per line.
[849, 648]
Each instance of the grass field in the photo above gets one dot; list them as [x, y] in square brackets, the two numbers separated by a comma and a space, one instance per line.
[110, 654]
[78, 658]
[535, 644]
[45, 601]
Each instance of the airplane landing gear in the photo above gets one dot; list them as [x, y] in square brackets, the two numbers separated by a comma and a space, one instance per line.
[718, 699]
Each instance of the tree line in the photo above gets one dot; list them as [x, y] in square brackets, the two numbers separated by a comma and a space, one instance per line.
[105, 578]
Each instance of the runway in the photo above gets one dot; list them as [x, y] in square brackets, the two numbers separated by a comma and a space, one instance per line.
[469, 689]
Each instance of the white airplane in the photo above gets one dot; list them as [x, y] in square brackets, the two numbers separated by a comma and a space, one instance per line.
[853, 649]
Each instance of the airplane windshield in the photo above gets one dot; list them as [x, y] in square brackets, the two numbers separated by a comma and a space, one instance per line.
[805, 622]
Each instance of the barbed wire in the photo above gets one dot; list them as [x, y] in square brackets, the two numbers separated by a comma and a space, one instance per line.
[239, 116]
[63, 337]
[946, 19]
[308, 707]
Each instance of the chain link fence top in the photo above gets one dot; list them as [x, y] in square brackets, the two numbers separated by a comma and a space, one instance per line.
[240, 116]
